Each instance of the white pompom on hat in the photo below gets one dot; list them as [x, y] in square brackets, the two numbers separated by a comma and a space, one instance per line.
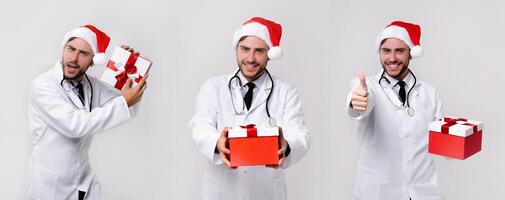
[267, 30]
[98, 40]
[407, 32]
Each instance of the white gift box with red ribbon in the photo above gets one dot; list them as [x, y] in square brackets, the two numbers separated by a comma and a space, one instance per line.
[122, 65]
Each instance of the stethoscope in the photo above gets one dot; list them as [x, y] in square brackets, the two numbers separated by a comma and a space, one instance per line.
[406, 107]
[91, 87]
[271, 120]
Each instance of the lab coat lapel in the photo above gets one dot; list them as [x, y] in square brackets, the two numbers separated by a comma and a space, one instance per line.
[414, 93]
[387, 90]
[238, 101]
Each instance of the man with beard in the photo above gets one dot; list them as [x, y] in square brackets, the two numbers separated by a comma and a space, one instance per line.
[66, 108]
[394, 109]
[248, 96]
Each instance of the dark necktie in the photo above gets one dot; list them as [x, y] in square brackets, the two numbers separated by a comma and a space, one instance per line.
[80, 91]
[402, 93]
[249, 95]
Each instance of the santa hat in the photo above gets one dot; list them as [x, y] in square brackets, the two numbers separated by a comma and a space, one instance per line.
[97, 39]
[407, 32]
[267, 30]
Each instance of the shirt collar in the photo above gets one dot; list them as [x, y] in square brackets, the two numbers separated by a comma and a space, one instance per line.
[258, 82]
[409, 80]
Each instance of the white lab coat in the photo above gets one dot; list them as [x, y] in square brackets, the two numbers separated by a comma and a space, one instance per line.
[62, 129]
[395, 164]
[214, 111]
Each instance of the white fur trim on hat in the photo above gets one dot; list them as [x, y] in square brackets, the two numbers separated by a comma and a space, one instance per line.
[252, 29]
[260, 31]
[416, 51]
[399, 33]
[84, 33]
[99, 59]
[274, 53]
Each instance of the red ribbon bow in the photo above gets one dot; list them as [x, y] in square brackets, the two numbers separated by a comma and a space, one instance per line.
[453, 121]
[251, 131]
[129, 68]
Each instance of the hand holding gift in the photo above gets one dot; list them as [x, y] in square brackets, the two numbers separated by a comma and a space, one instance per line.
[283, 150]
[222, 147]
[133, 95]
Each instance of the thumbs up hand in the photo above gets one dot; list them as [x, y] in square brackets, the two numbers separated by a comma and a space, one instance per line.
[359, 98]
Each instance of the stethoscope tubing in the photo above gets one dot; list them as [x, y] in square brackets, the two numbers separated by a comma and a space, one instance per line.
[240, 84]
[408, 93]
[91, 87]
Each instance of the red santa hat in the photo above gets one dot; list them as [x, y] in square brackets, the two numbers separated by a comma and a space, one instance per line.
[97, 39]
[407, 32]
[267, 30]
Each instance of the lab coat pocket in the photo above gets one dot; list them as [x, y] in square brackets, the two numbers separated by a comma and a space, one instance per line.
[43, 184]
[368, 184]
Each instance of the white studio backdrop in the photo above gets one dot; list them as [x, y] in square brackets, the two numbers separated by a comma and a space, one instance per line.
[326, 43]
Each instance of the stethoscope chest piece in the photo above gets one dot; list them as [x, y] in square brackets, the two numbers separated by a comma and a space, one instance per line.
[272, 122]
[410, 111]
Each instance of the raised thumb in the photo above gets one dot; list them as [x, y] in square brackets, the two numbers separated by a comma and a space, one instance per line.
[362, 80]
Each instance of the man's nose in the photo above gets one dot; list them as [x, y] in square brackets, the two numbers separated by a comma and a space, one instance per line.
[393, 57]
[250, 57]
[74, 56]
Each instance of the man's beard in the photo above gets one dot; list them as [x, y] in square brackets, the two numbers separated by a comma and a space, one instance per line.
[75, 66]
[258, 74]
[405, 67]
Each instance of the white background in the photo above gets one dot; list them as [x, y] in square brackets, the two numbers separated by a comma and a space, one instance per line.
[326, 42]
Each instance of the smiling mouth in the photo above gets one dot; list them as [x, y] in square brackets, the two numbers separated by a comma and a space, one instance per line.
[394, 65]
[251, 65]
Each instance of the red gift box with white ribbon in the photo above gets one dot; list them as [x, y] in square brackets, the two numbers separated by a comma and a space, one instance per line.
[251, 146]
[453, 137]
[122, 65]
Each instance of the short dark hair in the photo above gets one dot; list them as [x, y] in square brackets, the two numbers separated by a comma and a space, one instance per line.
[70, 39]
[242, 38]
